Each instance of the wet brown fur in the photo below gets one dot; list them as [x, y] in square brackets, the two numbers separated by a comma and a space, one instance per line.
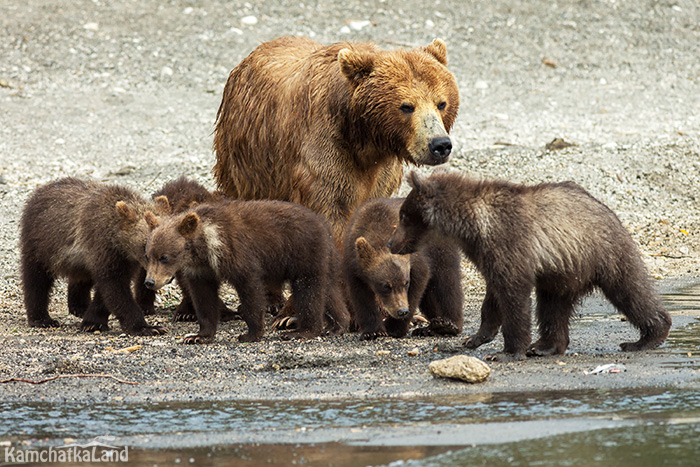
[94, 235]
[322, 126]
[553, 237]
[248, 244]
[376, 278]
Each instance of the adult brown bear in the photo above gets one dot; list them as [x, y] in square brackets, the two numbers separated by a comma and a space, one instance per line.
[329, 126]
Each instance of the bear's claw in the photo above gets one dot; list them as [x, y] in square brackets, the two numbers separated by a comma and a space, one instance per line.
[370, 336]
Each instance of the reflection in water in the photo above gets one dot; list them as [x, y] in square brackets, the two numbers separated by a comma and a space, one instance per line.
[44, 420]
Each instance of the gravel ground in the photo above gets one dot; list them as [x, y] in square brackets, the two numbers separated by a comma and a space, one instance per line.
[128, 91]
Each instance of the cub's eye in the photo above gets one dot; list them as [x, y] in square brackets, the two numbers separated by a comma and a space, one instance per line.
[442, 105]
[407, 108]
[164, 259]
[406, 284]
[386, 287]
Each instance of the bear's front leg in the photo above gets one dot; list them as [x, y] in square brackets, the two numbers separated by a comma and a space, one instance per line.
[97, 315]
[204, 295]
[514, 306]
[490, 322]
[115, 288]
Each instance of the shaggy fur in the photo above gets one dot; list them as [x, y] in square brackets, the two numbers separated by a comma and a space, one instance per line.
[553, 237]
[386, 289]
[249, 244]
[328, 127]
[94, 235]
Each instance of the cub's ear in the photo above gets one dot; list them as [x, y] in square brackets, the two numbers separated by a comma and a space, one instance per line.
[162, 206]
[151, 220]
[437, 49]
[188, 225]
[365, 252]
[355, 65]
[127, 216]
[423, 186]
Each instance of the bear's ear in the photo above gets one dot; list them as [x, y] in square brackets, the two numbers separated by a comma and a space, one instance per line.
[188, 225]
[127, 216]
[437, 49]
[151, 220]
[162, 206]
[365, 252]
[355, 65]
[422, 186]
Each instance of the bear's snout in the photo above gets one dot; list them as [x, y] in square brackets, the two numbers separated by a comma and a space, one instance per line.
[440, 148]
[149, 283]
[402, 313]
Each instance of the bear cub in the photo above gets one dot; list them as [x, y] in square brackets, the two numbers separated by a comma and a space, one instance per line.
[182, 194]
[251, 245]
[553, 237]
[387, 289]
[94, 235]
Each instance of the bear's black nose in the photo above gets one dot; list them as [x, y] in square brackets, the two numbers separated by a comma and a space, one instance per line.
[402, 313]
[149, 283]
[440, 147]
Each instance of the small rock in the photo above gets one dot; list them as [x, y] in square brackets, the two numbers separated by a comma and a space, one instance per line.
[463, 367]
[382, 353]
[91, 26]
[557, 144]
[249, 20]
[412, 352]
[358, 25]
[549, 63]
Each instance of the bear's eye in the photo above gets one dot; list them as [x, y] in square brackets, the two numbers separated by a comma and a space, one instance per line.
[164, 259]
[406, 284]
[442, 105]
[386, 287]
[407, 108]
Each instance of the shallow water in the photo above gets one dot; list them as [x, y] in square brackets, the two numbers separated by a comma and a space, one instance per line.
[390, 430]
[593, 427]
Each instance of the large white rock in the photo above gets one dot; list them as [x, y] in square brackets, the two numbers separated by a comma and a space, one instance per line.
[464, 367]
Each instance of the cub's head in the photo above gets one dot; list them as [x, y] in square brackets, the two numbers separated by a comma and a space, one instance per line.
[414, 212]
[167, 247]
[133, 229]
[407, 100]
[388, 276]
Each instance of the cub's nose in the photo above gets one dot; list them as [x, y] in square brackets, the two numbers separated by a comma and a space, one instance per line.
[149, 283]
[440, 148]
[402, 313]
